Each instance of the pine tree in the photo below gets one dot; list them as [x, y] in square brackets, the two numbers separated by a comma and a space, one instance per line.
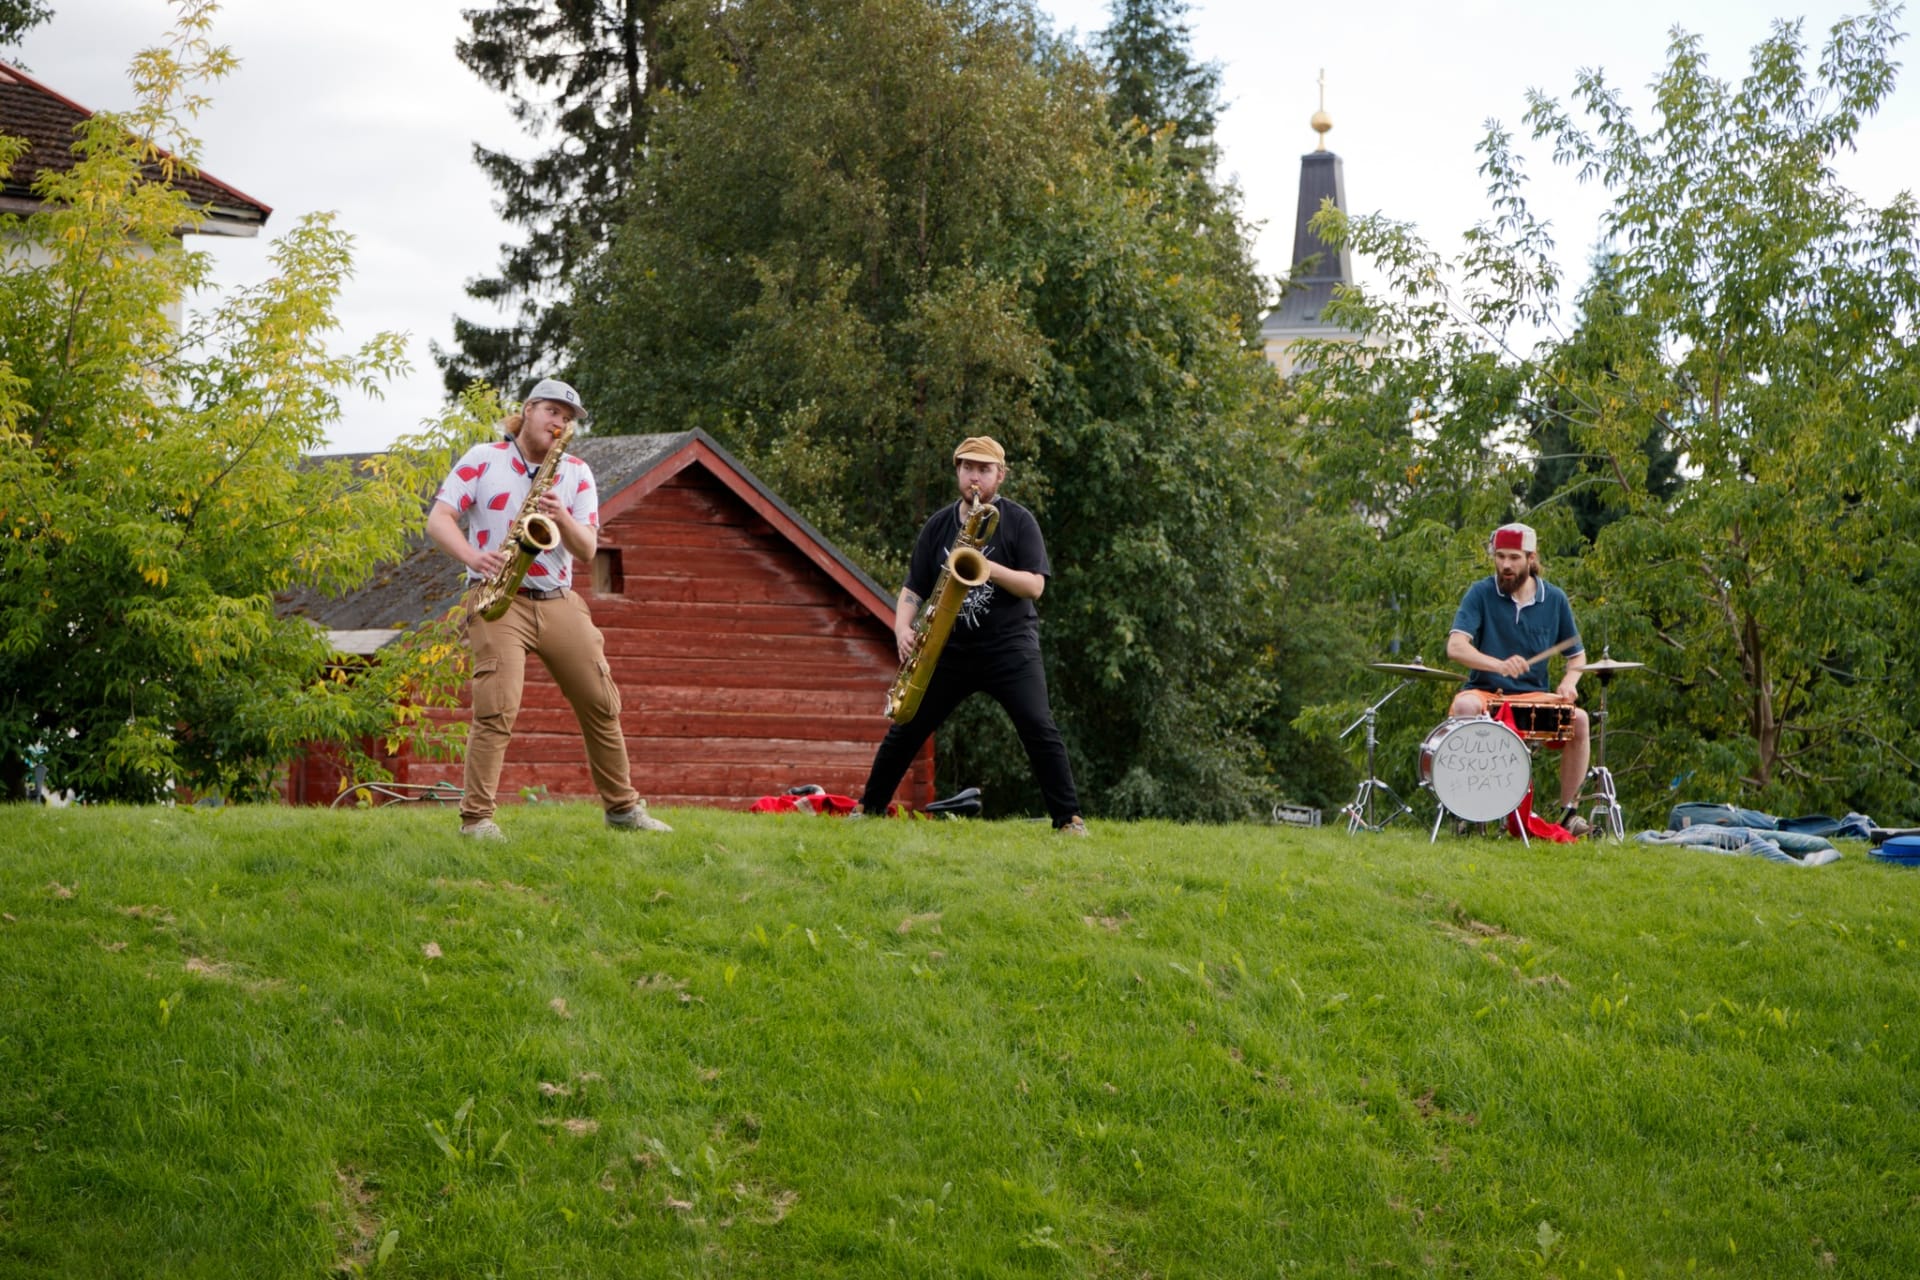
[1153, 79]
[1163, 101]
[577, 72]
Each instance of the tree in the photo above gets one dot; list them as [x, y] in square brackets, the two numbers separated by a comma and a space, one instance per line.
[1154, 83]
[882, 225]
[1788, 305]
[1762, 319]
[1161, 99]
[153, 495]
[1608, 341]
[579, 72]
[17, 17]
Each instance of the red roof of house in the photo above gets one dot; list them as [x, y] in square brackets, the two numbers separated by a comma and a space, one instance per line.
[30, 110]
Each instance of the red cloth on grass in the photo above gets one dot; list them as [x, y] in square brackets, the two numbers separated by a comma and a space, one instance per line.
[819, 802]
[1537, 827]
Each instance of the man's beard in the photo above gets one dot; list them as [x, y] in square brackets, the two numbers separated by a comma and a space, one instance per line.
[1510, 579]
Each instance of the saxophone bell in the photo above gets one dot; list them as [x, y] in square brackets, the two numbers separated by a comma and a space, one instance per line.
[530, 534]
[965, 569]
[537, 534]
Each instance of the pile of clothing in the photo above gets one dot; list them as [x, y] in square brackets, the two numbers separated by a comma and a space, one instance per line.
[1726, 828]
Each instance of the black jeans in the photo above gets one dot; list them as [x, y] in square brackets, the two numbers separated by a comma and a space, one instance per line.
[1013, 678]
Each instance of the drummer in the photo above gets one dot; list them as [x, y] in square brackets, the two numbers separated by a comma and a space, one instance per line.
[1502, 621]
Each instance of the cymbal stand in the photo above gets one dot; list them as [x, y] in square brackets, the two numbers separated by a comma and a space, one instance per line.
[1363, 810]
[1606, 814]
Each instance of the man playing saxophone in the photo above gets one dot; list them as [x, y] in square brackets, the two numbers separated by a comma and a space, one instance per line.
[489, 488]
[994, 645]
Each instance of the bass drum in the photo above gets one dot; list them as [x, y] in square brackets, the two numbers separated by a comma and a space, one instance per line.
[1478, 768]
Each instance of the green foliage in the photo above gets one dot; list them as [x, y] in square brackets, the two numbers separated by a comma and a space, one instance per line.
[877, 300]
[1607, 349]
[153, 493]
[17, 17]
[1755, 321]
[879, 226]
[577, 75]
[796, 1047]
[1788, 306]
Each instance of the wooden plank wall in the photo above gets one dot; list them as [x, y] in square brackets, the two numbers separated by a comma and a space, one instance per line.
[743, 668]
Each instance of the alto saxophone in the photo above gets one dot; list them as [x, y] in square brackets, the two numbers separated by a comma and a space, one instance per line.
[965, 569]
[528, 535]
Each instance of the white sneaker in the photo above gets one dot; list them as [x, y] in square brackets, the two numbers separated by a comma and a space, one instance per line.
[635, 819]
[485, 829]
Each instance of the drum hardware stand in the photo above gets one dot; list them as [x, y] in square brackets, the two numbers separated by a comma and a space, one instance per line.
[1441, 816]
[1362, 809]
[1606, 814]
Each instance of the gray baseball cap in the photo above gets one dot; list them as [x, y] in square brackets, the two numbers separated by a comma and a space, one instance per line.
[554, 389]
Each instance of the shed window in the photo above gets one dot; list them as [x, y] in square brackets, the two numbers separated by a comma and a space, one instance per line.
[608, 577]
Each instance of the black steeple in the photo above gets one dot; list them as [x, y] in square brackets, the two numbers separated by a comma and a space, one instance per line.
[1317, 266]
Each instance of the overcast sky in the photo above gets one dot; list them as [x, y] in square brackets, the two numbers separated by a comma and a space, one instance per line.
[360, 106]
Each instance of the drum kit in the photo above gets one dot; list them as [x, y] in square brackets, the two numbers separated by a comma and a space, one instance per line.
[1478, 767]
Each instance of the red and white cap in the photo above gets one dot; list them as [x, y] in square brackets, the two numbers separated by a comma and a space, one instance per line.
[1514, 537]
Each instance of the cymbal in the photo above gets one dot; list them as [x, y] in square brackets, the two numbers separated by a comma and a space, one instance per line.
[1613, 664]
[1417, 671]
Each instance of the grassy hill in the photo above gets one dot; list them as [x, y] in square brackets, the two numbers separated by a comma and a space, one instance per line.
[272, 1042]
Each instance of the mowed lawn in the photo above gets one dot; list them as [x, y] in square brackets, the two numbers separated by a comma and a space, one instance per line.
[273, 1042]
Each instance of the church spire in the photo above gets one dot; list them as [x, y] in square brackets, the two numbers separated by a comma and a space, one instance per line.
[1318, 268]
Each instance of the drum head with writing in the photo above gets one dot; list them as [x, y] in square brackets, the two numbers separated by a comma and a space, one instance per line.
[1479, 768]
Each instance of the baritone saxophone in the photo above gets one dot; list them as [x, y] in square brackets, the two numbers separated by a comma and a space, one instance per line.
[530, 534]
[965, 569]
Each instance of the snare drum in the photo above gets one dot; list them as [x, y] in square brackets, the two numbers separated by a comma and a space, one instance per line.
[1477, 767]
[1539, 718]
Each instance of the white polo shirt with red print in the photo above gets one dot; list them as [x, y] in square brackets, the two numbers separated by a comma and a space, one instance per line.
[489, 484]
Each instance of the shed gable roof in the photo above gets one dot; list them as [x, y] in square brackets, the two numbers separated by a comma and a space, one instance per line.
[425, 584]
[46, 119]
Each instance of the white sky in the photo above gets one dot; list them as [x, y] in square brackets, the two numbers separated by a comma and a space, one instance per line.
[360, 106]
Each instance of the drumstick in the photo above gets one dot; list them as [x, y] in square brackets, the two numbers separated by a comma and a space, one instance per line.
[1568, 643]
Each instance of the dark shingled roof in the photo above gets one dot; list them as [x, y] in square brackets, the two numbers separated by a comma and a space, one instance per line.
[30, 110]
[1301, 305]
[425, 584]
[618, 461]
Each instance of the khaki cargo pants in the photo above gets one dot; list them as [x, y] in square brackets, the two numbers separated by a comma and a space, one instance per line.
[561, 633]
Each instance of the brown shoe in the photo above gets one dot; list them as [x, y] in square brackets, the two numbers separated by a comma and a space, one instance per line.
[1071, 827]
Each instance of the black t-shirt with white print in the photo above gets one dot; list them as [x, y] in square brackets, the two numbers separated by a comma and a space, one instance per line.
[989, 617]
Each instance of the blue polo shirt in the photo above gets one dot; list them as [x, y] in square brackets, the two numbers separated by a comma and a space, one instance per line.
[1500, 628]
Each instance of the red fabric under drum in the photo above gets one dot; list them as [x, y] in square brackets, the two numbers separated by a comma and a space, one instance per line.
[1537, 827]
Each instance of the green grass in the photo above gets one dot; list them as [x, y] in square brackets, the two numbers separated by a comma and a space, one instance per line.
[798, 1047]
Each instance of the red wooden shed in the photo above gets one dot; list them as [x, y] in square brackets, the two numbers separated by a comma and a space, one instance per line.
[751, 655]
